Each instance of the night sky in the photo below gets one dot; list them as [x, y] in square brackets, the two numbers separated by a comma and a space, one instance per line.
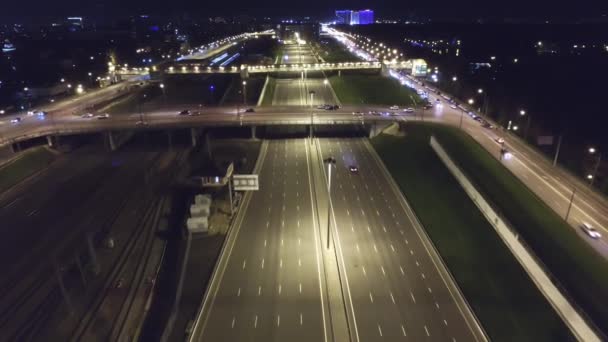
[19, 10]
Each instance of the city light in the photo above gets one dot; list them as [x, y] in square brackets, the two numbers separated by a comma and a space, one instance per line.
[479, 91]
[592, 150]
[522, 112]
[454, 78]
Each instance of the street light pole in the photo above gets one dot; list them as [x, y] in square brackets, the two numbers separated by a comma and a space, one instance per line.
[570, 204]
[595, 168]
[245, 93]
[330, 162]
[312, 95]
[523, 113]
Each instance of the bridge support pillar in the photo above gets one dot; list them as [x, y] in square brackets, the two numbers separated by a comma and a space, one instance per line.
[208, 144]
[15, 147]
[92, 255]
[64, 290]
[111, 142]
[51, 140]
[193, 136]
[170, 139]
[244, 74]
[83, 275]
[384, 70]
[253, 132]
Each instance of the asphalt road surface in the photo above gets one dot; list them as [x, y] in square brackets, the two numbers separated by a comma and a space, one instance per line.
[397, 291]
[271, 287]
[295, 91]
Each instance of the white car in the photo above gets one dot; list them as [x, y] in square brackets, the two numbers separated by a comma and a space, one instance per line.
[103, 116]
[590, 231]
[500, 140]
[15, 120]
[394, 107]
[409, 110]
[87, 115]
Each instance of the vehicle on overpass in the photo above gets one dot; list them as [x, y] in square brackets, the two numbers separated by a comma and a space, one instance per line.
[590, 231]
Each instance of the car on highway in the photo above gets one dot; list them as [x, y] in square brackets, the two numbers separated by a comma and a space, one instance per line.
[409, 110]
[87, 115]
[590, 230]
[41, 113]
[323, 106]
[353, 169]
[184, 112]
[332, 107]
[15, 120]
[428, 106]
[358, 113]
[453, 107]
[500, 140]
[249, 110]
[373, 112]
[394, 107]
[103, 116]
[487, 125]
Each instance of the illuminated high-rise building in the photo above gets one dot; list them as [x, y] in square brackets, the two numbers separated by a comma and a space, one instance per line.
[344, 16]
[350, 17]
[366, 17]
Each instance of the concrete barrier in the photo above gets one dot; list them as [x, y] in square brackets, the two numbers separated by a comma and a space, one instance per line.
[558, 301]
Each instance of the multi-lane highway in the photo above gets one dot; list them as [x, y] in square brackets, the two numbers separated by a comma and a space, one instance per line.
[296, 91]
[400, 291]
[271, 286]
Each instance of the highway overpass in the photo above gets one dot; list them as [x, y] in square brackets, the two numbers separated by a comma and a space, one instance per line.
[245, 70]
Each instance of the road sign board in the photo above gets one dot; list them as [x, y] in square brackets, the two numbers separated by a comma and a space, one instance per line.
[245, 182]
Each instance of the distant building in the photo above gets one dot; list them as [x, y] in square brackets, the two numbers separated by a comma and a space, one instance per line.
[354, 18]
[75, 23]
[344, 16]
[350, 17]
[366, 17]
[8, 47]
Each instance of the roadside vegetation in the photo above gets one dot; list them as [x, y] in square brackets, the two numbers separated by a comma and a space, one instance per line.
[234, 95]
[31, 162]
[574, 264]
[503, 297]
[372, 89]
[269, 93]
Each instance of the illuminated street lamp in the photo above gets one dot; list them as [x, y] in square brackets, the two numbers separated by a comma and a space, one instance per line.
[471, 101]
[454, 78]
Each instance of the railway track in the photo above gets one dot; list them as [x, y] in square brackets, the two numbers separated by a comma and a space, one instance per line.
[30, 301]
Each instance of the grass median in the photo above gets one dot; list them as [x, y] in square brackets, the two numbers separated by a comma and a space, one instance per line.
[31, 162]
[269, 92]
[505, 300]
[574, 264]
[366, 89]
